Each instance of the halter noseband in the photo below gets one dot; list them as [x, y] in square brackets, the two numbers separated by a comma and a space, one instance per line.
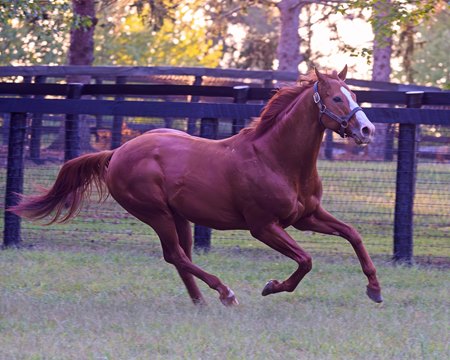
[342, 120]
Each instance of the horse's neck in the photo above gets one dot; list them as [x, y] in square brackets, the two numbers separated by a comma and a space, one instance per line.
[295, 142]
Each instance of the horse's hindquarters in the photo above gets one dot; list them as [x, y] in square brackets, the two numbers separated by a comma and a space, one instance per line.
[167, 172]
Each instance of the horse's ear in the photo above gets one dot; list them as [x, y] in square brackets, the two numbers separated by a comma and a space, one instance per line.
[343, 74]
[319, 75]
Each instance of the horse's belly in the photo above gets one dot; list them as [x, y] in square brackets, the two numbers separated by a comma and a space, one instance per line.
[220, 222]
[208, 209]
[213, 218]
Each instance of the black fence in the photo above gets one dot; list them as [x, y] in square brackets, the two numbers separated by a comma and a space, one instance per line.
[32, 112]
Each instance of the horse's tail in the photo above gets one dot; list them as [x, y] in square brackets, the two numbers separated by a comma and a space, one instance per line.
[72, 186]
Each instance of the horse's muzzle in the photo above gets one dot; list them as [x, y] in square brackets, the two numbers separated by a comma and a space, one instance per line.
[364, 130]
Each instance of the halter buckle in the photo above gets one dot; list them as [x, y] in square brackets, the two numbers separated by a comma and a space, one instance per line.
[316, 97]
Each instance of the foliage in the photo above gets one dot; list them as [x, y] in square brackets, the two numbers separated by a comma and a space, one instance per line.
[388, 16]
[138, 33]
[126, 39]
[431, 56]
[30, 10]
[34, 31]
[246, 30]
[256, 47]
[156, 12]
[394, 13]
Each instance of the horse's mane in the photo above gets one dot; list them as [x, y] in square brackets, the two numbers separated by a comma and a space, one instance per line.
[278, 104]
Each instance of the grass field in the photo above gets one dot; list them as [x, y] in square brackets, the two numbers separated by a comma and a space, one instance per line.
[80, 303]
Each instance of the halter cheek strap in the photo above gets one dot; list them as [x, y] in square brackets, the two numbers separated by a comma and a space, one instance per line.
[342, 120]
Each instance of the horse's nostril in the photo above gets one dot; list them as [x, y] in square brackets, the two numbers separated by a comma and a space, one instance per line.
[365, 131]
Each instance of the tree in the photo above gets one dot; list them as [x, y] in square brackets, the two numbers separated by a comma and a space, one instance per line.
[81, 49]
[427, 50]
[288, 50]
[81, 52]
[61, 31]
[381, 71]
[289, 42]
[386, 17]
[271, 31]
[256, 49]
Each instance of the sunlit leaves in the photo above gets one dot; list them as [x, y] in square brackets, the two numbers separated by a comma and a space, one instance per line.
[33, 31]
[431, 57]
[388, 15]
[159, 32]
[181, 40]
[156, 12]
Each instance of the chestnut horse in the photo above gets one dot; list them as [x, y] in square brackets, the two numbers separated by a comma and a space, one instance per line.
[263, 179]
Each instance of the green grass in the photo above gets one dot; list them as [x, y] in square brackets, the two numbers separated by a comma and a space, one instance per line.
[111, 304]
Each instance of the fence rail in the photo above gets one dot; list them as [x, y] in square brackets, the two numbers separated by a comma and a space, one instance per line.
[263, 77]
[243, 103]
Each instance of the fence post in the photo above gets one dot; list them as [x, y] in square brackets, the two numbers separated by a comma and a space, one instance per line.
[191, 122]
[202, 238]
[72, 147]
[209, 128]
[5, 128]
[36, 127]
[202, 234]
[7, 116]
[328, 144]
[116, 131]
[405, 185]
[268, 83]
[98, 118]
[14, 178]
[389, 146]
[240, 97]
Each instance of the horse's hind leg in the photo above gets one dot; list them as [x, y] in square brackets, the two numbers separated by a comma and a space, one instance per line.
[165, 226]
[185, 237]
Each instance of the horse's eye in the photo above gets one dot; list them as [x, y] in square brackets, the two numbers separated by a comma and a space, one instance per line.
[337, 99]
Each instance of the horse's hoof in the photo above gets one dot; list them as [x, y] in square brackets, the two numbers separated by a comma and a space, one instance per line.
[374, 295]
[199, 302]
[269, 288]
[230, 299]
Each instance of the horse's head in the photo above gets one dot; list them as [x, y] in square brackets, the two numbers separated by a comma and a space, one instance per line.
[339, 110]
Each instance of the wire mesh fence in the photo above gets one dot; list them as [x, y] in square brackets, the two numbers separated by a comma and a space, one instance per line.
[357, 190]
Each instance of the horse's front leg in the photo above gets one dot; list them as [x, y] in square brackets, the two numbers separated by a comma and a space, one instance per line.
[323, 222]
[278, 239]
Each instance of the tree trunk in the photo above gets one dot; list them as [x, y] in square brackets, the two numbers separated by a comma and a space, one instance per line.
[381, 71]
[81, 52]
[288, 50]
